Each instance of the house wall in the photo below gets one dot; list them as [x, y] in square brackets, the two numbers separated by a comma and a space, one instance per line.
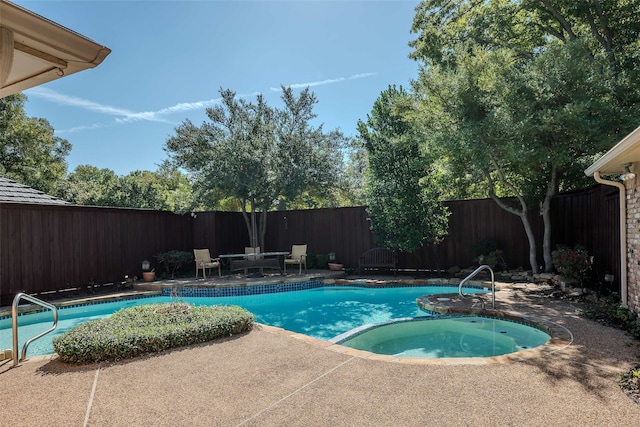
[633, 244]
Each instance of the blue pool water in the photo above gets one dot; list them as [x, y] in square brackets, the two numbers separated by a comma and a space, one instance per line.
[323, 312]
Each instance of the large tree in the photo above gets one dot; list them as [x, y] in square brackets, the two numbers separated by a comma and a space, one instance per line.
[402, 198]
[165, 189]
[89, 185]
[262, 156]
[528, 90]
[29, 151]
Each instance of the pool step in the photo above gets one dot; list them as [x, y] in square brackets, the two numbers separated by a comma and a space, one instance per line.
[6, 354]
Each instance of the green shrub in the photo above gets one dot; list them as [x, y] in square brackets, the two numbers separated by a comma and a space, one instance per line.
[484, 247]
[608, 310]
[322, 261]
[488, 253]
[173, 260]
[572, 264]
[149, 328]
[311, 260]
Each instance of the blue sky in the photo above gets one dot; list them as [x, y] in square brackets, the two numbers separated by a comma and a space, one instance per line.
[170, 58]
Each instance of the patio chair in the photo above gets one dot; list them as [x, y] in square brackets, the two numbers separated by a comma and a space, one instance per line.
[250, 257]
[298, 256]
[249, 251]
[203, 261]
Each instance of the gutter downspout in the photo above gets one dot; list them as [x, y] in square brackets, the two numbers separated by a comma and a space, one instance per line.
[623, 234]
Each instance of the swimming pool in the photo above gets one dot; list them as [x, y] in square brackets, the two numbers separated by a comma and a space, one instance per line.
[322, 312]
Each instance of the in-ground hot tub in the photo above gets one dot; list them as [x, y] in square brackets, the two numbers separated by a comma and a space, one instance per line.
[445, 336]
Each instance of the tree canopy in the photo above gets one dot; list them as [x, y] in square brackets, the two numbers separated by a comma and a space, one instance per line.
[403, 201]
[525, 93]
[29, 151]
[260, 155]
[165, 189]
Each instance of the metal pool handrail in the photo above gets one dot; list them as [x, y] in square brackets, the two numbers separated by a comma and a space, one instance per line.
[14, 324]
[472, 275]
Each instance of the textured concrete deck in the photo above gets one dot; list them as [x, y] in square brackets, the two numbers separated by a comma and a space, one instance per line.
[271, 377]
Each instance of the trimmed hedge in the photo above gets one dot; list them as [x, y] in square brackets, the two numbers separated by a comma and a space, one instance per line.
[149, 328]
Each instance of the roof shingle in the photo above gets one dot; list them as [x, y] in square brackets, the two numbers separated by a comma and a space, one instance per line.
[11, 191]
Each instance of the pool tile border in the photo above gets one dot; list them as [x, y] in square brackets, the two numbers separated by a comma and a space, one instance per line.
[62, 305]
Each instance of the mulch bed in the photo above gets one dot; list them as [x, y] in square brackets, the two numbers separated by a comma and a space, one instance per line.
[630, 384]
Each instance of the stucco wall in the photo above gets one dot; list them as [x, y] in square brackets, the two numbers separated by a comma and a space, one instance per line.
[633, 244]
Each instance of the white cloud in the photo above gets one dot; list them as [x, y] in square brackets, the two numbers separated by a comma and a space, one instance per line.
[123, 115]
[81, 128]
[72, 101]
[324, 82]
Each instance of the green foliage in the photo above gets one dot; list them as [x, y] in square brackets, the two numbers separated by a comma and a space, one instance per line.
[630, 382]
[402, 196]
[608, 310]
[351, 184]
[29, 152]
[311, 260]
[173, 260]
[526, 27]
[520, 97]
[322, 260]
[571, 263]
[487, 252]
[147, 329]
[165, 189]
[483, 247]
[88, 185]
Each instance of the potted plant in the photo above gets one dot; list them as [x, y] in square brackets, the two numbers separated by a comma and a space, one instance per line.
[148, 274]
[333, 265]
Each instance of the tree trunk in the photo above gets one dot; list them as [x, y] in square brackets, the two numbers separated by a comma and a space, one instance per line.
[522, 213]
[532, 243]
[533, 261]
[253, 237]
[545, 212]
[250, 221]
[247, 221]
[263, 225]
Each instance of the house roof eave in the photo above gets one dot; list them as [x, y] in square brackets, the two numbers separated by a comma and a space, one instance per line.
[613, 161]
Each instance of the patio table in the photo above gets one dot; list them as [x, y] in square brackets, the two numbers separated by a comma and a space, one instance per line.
[258, 260]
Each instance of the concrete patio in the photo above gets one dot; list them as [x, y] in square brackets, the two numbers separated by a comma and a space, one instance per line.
[271, 377]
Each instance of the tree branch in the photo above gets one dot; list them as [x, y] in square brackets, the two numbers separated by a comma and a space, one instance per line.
[488, 42]
[558, 16]
[551, 31]
[605, 39]
[492, 194]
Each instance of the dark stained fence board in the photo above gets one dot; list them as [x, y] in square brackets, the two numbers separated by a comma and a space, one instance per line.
[48, 248]
[590, 218]
[344, 231]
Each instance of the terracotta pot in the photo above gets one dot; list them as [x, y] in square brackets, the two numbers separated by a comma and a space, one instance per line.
[335, 267]
[149, 276]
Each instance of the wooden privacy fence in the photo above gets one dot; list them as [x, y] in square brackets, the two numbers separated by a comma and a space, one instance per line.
[48, 248]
